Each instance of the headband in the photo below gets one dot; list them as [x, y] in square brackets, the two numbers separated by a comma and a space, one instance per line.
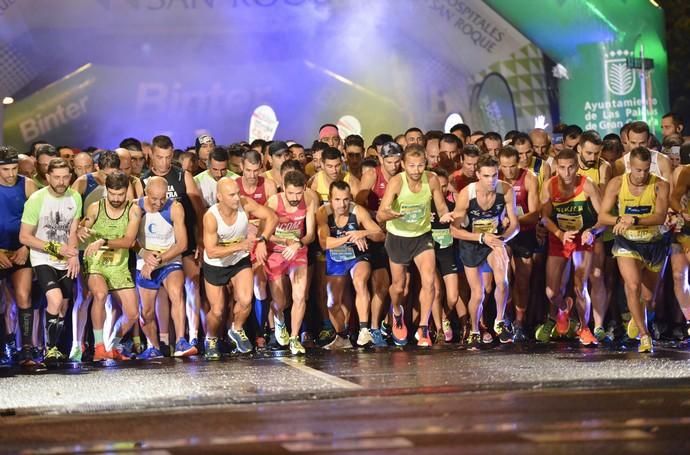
[13, 160]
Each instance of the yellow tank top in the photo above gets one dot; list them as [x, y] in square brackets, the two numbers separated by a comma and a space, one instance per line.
[415, 209]
[322, 186]
[537, 167]
[641, 206]
[592, 173]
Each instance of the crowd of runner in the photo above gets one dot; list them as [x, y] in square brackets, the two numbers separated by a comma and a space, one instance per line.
[425, 238]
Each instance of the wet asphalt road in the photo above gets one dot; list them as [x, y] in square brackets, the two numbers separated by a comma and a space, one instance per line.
[559, 398]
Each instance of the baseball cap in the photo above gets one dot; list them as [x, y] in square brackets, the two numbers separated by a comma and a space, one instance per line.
[391, 149]
[277, 147]
[203, 139]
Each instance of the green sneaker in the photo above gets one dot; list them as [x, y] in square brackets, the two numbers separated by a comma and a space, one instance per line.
[600, 334]
[296, 347]
[211, 351]
[326, 336]
[282, 335]
[75, 354]
[54, 355]
[543, 333]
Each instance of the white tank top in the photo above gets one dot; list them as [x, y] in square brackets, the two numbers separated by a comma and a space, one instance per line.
[228, 234]
[654, 167]
[156, 232]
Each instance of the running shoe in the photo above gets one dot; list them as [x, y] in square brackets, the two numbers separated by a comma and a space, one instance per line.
[296, 347]
[633, 331]
[150, 354]
[211, 351]
[440, 338]
[11, 350]
[447, 330]
[119, 354]
[543, 332]
[586, 337]
[239, 337]
[386, 330]
[184, 349]
[282, 335]
[273, 344]
[99, 353]
[326, 336]
[364, 338]
[37, 353]
[519, 335]
[600, 334]
[377, 338]
[199, 346]
[25, 358]
[75, 354]
[54, 355]
[423, 339]
[486, 336]
[657, 329]
[474, 341]
[338, 343]
[645, 344]
[563, 318]
[503, 332]
[399, 328]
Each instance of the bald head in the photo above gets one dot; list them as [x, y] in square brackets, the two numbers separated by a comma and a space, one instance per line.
[540, 142]
[27, 165]
[157, 192]
[228, 193]
[83, 164]
[125, 160]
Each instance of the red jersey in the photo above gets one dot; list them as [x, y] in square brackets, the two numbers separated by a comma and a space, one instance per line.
[290, 225]
[521, 202]
[377, 191]
[460, 180]
[259, 194]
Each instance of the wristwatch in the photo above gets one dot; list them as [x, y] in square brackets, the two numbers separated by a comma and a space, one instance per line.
[105, 242]
[261, 238]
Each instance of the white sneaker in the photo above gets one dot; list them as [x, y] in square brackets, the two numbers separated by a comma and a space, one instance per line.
[338, 343]
[364, 338]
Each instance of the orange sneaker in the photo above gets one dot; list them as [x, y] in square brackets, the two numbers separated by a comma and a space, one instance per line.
[117, 355]
[586, 337]
[99, 353]
[423, 338]
[563, 318]
[399, 328]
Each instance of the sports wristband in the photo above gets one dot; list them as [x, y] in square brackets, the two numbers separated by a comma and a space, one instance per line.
[481, 238]
[52, 248]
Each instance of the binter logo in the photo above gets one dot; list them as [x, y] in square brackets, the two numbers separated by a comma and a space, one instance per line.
[620, 80]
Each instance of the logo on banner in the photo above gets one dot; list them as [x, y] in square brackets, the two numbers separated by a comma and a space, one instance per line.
[620, 80]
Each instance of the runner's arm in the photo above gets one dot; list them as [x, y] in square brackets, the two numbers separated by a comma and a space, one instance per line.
[531, 218]
[374, 231]
[177, 216]
[459, 214]
[609, 202]
[310, 220]
[385, 212]
[514, 226]
[437, 195]
[679, 190]
[546, 210]
[265, 214]
[592, 191]
[365, 186]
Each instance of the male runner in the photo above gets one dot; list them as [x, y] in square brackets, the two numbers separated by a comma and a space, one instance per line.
[524, 244]
[641, 242]
[406, 210]
[344, 228]
[14, 257]
[110, 225]
[216, 169]
[49, 229]
[226, 260]
[287, 257]
[162, 238]
[482, 207]
[569, 202]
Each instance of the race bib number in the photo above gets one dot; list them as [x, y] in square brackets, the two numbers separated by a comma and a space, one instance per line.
[230, 241]
[412, 213]
[342, 253]
[486, 226]
[442, 237]
[288, 235]
[107, 257]
[519, 211]
[569, 222]
[644, 234]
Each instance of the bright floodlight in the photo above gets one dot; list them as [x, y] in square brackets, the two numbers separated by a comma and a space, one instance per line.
[7, 100]
[452, 120]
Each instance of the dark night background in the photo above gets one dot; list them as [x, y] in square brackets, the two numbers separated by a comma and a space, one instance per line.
[677, 14]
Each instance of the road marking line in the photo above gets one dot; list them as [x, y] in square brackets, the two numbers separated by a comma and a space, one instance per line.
[334, 380]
